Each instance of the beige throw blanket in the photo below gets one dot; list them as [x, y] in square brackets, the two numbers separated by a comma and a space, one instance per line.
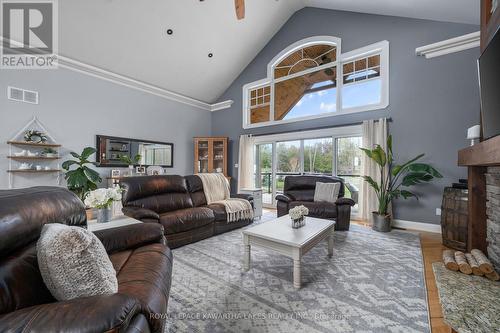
[216, 189]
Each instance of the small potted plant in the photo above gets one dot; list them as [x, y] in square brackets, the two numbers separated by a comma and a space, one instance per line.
[394, 181]
[297, 215]
[130, 162]
[49, 152]
[102, 199]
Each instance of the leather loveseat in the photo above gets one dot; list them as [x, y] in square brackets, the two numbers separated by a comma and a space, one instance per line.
[179, 205]
[299, 190]
[138, 252]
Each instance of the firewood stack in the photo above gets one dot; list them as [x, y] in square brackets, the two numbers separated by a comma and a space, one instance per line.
[474, 262]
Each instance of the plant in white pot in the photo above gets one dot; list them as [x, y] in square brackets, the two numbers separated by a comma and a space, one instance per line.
[131, 162]
[102, 199]
[395, 179]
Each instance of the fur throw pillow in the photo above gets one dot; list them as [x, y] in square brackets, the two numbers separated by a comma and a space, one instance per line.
[74, 263]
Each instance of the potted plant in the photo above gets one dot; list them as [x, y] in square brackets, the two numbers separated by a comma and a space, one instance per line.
[102, 199]
[49, 152]
[130, 162]
[394, 185]
[81, 179]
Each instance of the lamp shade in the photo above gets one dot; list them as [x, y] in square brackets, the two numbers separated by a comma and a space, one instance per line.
[474, 132]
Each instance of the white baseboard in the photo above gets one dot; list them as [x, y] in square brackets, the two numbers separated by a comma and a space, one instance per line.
[435, 228]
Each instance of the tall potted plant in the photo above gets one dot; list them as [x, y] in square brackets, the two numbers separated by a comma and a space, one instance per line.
[81, 179]
[395, 179]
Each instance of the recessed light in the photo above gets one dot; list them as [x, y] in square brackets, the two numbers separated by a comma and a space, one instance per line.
[210, 55]
[170, 31]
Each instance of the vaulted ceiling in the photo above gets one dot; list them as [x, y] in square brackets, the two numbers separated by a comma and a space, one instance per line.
[130, 37]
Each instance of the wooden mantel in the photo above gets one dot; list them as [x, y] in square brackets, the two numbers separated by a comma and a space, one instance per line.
[477, 158]
[486, 153]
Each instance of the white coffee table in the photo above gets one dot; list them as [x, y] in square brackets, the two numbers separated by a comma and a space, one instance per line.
[278, 235]
[116, 222]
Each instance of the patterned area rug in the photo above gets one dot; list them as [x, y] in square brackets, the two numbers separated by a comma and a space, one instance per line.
[373, 283]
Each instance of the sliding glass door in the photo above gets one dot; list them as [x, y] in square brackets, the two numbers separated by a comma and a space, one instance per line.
[264, 172]
[331, 155]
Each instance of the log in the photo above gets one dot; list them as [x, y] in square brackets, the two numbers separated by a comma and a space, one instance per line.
[449, 260]
[483, 262]
[462, 263]
[474, 265]
[493, 276]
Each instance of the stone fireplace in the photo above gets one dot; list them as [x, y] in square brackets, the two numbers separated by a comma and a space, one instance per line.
[493, 215]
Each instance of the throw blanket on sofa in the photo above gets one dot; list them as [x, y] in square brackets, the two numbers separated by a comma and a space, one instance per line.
[216, 189]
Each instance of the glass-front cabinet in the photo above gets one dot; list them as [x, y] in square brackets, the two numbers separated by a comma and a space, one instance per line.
[210, 155]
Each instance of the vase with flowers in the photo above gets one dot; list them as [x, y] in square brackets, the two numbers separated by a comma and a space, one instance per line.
[297, 215]
[102, 199]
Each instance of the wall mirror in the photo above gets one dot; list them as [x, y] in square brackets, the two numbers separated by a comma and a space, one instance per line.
[112, 150]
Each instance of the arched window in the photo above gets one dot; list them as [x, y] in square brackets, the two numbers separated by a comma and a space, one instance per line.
[312, 79]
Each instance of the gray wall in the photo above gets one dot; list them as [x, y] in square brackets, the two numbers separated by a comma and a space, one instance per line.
[75, 107]
[432, 102]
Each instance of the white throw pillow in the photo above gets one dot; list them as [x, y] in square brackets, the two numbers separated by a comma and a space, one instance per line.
[326, 192]
[74, 263]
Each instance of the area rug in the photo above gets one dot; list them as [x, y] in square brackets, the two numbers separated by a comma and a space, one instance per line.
[373, 283]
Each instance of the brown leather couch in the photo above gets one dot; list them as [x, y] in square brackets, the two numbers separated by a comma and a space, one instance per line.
[179, 205]
[299, 190]
[138, 252]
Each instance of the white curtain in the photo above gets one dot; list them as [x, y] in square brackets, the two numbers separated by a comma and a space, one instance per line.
[246, 162]
[374, 133]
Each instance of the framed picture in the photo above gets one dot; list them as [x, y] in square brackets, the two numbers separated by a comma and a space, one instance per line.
[115, 173]
[140, 169]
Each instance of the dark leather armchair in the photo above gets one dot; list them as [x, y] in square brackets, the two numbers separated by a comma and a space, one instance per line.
[138, 252]
[299, 190]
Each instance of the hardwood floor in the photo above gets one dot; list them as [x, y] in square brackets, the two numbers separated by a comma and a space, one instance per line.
[432, 249]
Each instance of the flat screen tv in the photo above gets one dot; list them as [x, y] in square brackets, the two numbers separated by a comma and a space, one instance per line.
[489, 84]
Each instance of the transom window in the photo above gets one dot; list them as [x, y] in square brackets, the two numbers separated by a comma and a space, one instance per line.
[312, 79]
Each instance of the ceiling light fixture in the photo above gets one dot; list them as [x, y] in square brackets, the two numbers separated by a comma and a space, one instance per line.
[170, 32]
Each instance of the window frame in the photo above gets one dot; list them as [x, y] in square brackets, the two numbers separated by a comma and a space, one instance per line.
[381, 48]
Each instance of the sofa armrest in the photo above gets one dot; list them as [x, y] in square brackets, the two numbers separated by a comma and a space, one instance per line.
[130, 236]
[345, 201]
[284, 198]
[248, 197]
[103, 313]
[139, 213]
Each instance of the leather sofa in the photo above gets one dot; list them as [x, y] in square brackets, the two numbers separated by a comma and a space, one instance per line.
[299, 190]
[179, 205]
[138, 252]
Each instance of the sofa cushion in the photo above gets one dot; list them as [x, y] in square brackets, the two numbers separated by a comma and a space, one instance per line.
[317, 209]
[186, 219]
[219, 211]
[74, 263]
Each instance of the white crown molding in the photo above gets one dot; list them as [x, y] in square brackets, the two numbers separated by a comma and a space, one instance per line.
[420, 226]
[221, 105]
[448, 46]
[103, 74]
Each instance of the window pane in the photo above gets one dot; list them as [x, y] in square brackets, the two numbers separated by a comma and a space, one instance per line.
[348, 156]
[318, 156]
[312, 94]
[288, 157]
[259, 114]
[362, 93]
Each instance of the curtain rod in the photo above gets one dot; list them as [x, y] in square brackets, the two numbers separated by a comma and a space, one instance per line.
[389, 119]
